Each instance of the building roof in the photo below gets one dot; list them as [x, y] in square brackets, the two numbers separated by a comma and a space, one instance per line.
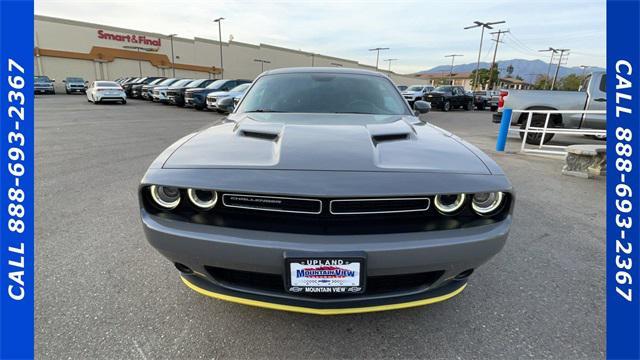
[444, 75]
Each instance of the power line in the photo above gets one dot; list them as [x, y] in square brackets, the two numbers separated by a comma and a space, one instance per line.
[482, 25]
[495, 52]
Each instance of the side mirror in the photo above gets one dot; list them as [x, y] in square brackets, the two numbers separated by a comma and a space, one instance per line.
[422, 107]
[64, 81]
[53, 80]
[86, 81]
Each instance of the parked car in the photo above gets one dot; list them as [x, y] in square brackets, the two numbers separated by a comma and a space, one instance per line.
[482, 98]
[176, 94]
[591, 96]
[402, 87]
[43, 85]
[294, 202]
[222, 101]
[450, 97]
[197, 97]
[147, 90]
[493, 101]
[416, 92]
[109, 91]
[75, 85]
[160, 92]
[128, 86]
[136, 89]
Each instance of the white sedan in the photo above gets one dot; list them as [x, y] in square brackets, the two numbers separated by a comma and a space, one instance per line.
[100, 91]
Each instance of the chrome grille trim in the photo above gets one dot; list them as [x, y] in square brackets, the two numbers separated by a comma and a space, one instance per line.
[224, 196]
[428, 202]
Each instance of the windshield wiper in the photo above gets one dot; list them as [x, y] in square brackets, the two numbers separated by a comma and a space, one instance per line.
[265, 111]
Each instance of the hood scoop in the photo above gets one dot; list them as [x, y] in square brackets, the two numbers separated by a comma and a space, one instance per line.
[255, 130]
[396, 131]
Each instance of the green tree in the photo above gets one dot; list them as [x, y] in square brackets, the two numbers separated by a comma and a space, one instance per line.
[542, 82]
[570, 82]
[483, 77]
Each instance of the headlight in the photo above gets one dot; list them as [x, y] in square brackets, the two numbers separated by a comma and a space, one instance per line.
[449, 204]
[204, 199]
[487, 203]
[167, 197]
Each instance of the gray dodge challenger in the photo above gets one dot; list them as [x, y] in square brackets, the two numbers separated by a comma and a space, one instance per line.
[325, 193]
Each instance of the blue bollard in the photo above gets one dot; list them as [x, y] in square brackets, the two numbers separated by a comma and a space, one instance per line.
[504, 129]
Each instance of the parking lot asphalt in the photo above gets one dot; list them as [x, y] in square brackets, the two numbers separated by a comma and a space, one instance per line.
[103, 292]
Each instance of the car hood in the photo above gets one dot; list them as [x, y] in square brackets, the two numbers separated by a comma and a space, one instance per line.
[219, 93]
[414, 93]
[326, 142]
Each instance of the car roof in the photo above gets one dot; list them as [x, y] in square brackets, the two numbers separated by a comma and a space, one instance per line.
[335, 70]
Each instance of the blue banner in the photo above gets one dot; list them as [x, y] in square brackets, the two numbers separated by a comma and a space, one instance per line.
[623, 182]
[16, 179]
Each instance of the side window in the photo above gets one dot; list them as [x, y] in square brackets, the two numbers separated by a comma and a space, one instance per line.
[454, 91]
[603, 83]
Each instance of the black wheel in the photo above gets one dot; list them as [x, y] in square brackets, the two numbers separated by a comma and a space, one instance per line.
[536, 121]
[468, 106]
[67, 91]
[480, 106]
[124, 101]
[446, 106]
[198, 107]
[494, 108]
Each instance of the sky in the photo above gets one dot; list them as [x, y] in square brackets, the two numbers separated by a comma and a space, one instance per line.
[418, 33]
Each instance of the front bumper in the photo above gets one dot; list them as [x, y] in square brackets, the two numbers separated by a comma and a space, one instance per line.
[43, 90]
[448, 253]
[76, 89]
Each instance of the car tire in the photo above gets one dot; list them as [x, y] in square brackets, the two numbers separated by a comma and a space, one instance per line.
[480, 106]
[494, 108]
[468, 106]
[198, 107]
[537, 120]
[446, 106]
[124, 102]
[68, 92]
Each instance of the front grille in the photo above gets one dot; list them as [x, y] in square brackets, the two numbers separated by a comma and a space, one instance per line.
[325, 216]
[378, 206]
[375, 285]
[273, 203]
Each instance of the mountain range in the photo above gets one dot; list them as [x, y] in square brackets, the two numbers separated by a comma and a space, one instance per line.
[521, 67]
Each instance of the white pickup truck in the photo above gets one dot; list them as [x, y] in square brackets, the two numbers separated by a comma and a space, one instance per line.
[592, 95]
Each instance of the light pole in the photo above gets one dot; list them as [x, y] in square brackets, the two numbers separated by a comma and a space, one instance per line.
[584, 68]
[219, 21]
[389, 61]
[483, 25]
[378, 54]
[173, 60]
[453, 57]
[262, 62]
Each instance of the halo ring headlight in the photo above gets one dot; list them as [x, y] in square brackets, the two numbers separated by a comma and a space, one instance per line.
[487, 203]
[449, 208]
[167, 197]
[203, 199]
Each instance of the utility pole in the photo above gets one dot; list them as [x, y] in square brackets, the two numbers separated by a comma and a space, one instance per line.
[389, 61]
[173, 60]
[378, 54]
[262, 62]
[313, 59]
[139, 60]
[495, 52]
[483, 25]
[453, 57]
[336, 64]
[553, 53]
[219, 21]
[555, 77]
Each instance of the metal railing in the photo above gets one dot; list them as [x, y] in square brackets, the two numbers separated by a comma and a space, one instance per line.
[545, 129]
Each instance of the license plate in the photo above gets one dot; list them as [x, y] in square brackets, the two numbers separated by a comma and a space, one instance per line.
[325, 276]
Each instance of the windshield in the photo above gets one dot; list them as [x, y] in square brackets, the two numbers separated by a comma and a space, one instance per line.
[109, 84]
[415, 88]
[75, 79]
[157, 81]
[196, 83]
[168, 81]
[216, 84]
[42, 79]
[324, 93]
[181, 83]
[241, 88]
[443, 89]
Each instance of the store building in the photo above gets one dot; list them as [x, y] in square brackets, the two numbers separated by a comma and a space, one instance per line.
[99, 52]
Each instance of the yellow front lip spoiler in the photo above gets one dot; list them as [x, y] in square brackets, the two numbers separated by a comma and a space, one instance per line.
[306, 310]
